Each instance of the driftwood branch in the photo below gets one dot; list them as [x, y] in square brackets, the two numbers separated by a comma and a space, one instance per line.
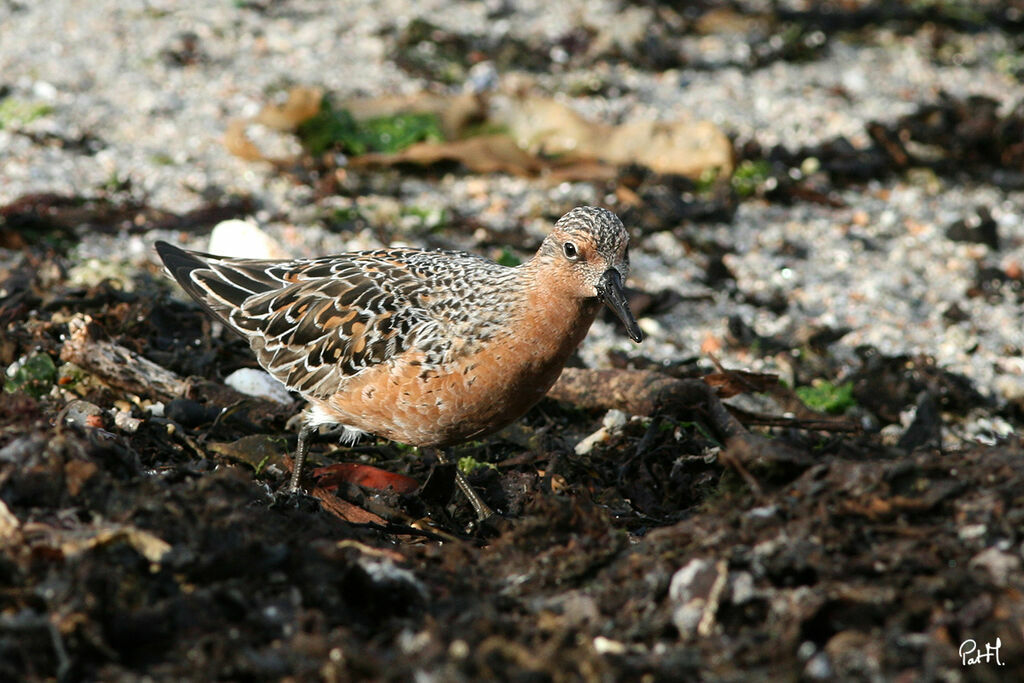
[645, 392]
[88, 347]
[638, 392]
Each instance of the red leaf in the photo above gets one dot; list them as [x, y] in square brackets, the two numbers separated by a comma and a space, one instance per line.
[366, 476]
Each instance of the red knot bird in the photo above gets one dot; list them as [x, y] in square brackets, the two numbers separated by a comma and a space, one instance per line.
[428, 348]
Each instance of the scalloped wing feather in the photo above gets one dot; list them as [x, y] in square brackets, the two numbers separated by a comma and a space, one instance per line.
[316, 323]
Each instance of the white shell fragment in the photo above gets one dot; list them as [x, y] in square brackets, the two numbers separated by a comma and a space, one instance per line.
[253, 382]
[242, 239]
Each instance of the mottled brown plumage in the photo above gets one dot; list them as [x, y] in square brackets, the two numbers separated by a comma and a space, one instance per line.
[429, 348]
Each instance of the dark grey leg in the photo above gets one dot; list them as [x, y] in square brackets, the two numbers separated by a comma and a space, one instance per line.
[300, 456]
[483, 511]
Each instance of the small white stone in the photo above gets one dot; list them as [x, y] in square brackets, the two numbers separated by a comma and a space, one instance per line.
[384, 572]
[44, 91]
[410, 643]
[651, 327]
[819, 667]
[252, 382]
[588, 443]
[607, 646]
[1010, 387]
[459, 649]
[242, 239]
[614, 419]
[763, 512]
[696, 591]
[743, 589]
[124, 421]
[998, 563]
[969, 531]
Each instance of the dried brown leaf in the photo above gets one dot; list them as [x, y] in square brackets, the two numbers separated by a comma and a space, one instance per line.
[485, 154]
[255, 450]
[344, 510]
[546, 126]
[455, 112]
[545, 137]
[302, 104]
[238, 143]
[148, 545]
[677, 147]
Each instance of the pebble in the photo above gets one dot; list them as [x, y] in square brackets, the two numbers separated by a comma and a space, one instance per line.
[613, 421]
[388, 576]
[242, 239]
[83, 414]
[695, 592]
[999, 564]
[125, 422]
[253, 382]
[607, 646]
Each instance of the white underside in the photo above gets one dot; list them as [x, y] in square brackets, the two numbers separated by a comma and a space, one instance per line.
[316, 417]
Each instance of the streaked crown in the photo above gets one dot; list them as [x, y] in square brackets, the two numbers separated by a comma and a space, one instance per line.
[601, 226]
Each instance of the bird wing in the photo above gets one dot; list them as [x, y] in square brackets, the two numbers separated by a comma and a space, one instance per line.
[315, 323]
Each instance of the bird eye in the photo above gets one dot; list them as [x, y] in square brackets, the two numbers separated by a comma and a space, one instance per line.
[569, 249]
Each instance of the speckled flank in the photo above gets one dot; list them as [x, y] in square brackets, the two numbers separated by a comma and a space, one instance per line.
[429, 348]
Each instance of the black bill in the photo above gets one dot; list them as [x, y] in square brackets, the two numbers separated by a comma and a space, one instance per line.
[609, 290]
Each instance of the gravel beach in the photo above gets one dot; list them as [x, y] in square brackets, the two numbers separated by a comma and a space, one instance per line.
[880, 266]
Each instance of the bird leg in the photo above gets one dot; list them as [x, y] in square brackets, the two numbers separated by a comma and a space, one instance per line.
[483, 511]
[300, 456]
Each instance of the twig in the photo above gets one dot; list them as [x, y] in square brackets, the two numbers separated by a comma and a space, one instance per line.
[841, 425]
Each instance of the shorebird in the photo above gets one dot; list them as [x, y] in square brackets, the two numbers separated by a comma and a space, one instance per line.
[427, 348]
